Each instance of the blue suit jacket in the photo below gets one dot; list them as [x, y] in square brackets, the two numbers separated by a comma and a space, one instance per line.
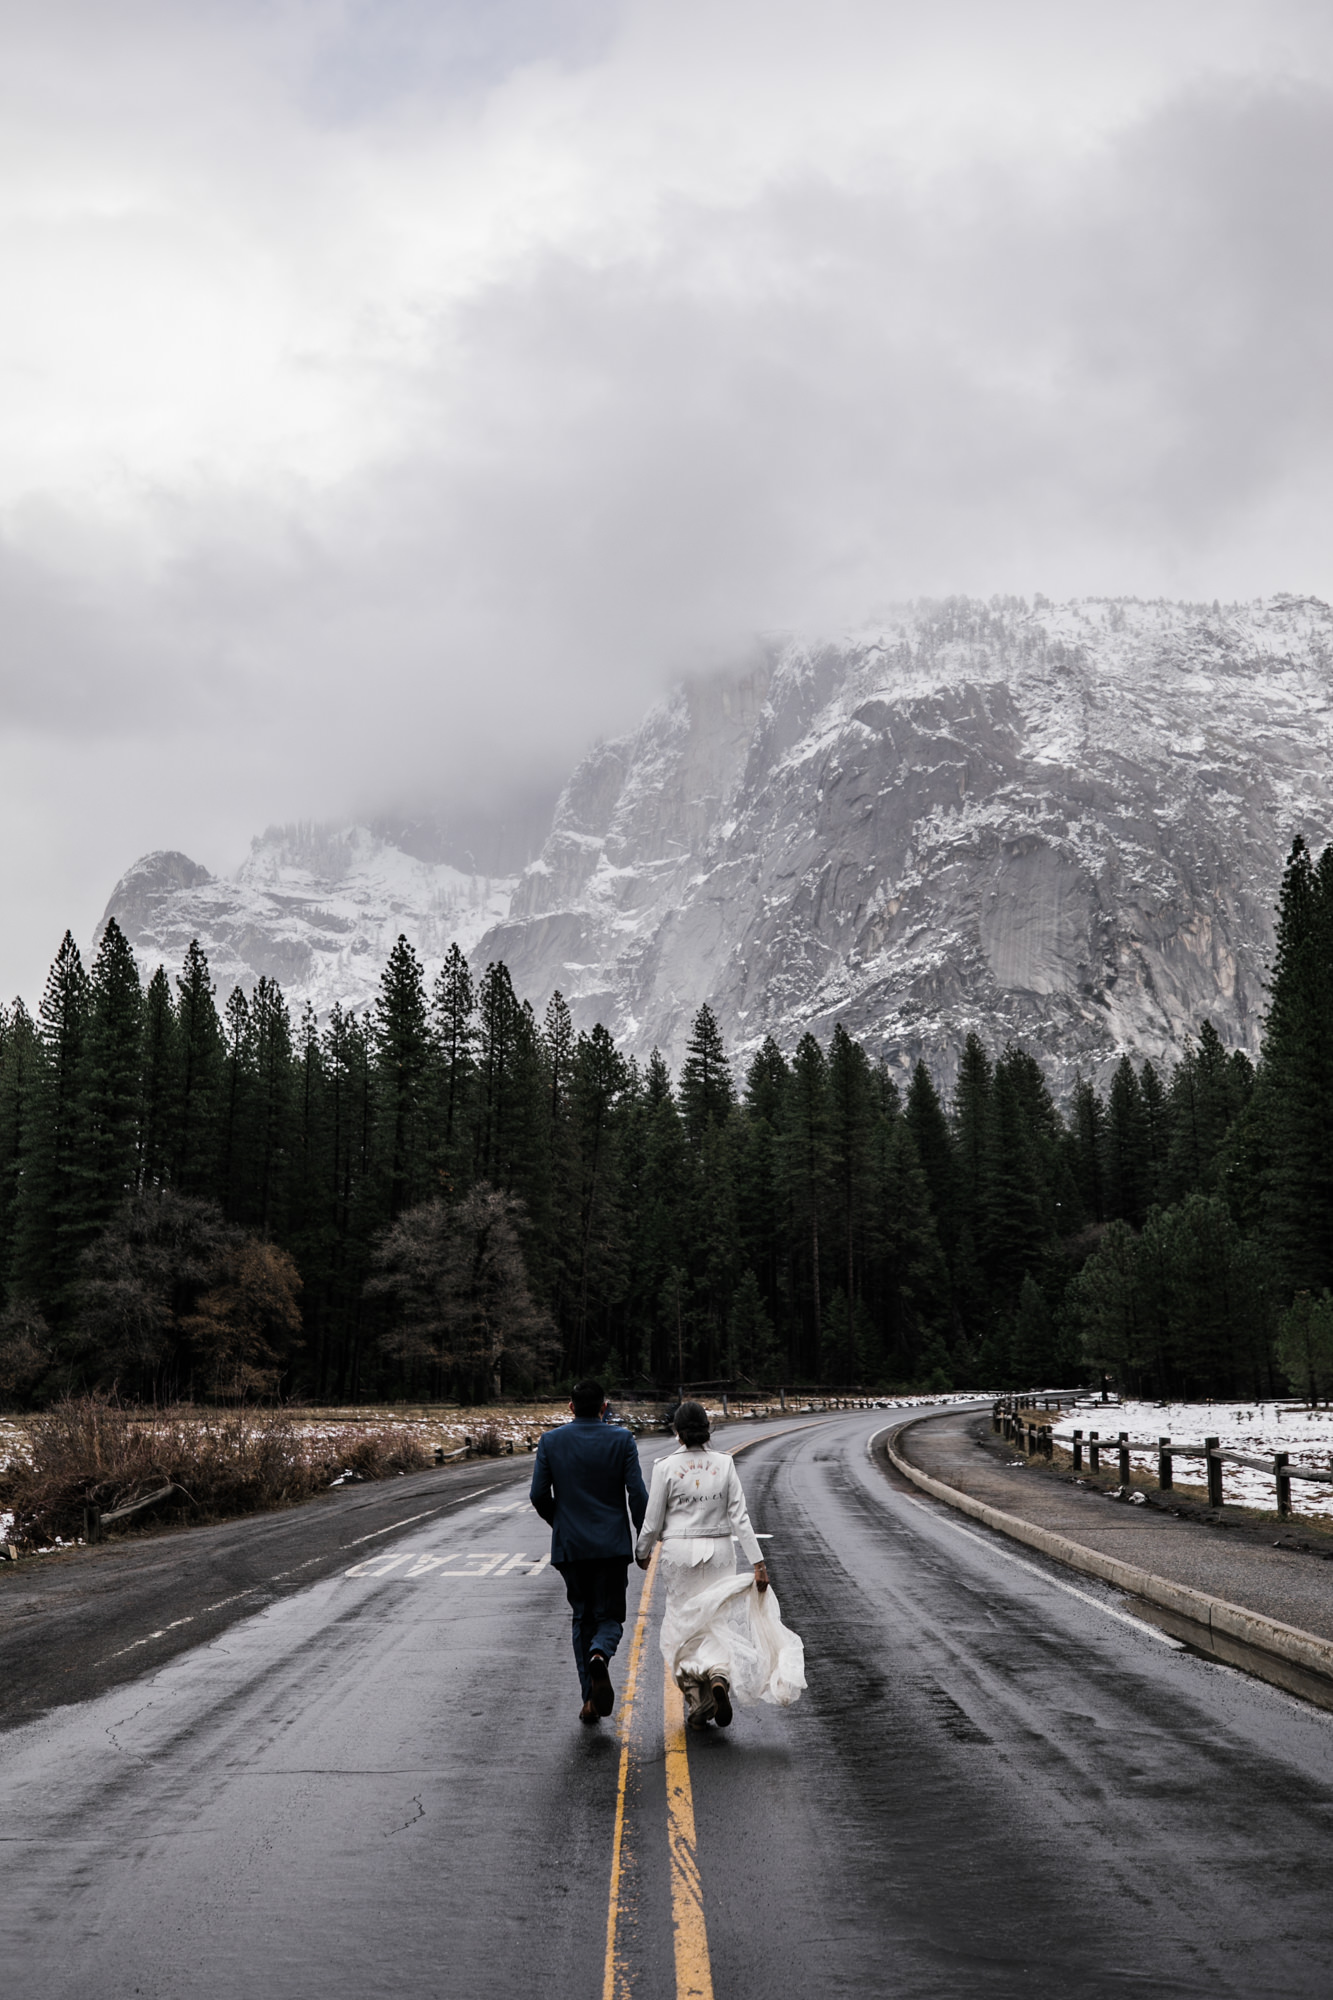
[585, 1473]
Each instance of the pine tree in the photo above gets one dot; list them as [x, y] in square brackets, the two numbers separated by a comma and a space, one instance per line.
[1204, 1099]
[200, 1037]
[354, 1213]
[1105, 1308]
[454, 1017]
[805, 1158]
[707, 1099]
[934, 1151]
[272, 1136]
[20, 1090]
[160, 1097]
[973, 1137]
[1087, 1150]
[837, 1359]
[558, 1039]
[656, 1198]
[761, 1219]
[561, 1254]
[852, 1096]
[1014, 1224]
[48, 1234]
[402, 1061]
[598, 1080]
[913, 1277]
[1305, 1346]
[1043, 1132]
[714, 1235]
[1128, 1167]
[936, 1368]
[110, 1083]
[528, 1169]
[1036, 1358]
[706, 1094]
[1216, 1312]
[1156, 1132]
[752, 1349]
[1296, 1094]
[309, 1234]
[235, 1104]
[657, 1082]
[765, 1082]
[500, 1021]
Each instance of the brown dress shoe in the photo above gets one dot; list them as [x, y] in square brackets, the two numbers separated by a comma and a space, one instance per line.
[602, 1693]
[588, 1713]
[699, 1707]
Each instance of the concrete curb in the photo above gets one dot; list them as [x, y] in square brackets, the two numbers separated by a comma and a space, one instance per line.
[1215, 1614]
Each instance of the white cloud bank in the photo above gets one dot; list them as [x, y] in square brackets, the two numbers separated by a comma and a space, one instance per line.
[392, 395]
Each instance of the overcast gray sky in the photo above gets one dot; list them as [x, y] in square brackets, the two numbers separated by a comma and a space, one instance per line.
[394, 394]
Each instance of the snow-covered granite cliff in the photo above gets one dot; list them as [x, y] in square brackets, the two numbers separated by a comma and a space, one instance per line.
[316, 908]
[1063, 824]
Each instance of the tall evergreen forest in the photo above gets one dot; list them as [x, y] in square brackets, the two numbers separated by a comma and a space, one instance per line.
[445, 1195]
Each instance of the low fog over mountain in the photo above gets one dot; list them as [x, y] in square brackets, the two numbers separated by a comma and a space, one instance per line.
[1061, 824]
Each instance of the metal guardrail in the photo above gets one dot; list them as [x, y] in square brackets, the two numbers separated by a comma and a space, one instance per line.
[1037, 1439]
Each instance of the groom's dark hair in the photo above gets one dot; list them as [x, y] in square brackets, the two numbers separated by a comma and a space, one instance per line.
[587, 1399]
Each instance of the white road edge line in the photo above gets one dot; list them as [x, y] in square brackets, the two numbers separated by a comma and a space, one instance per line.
[223, 1602]
[1084, 1597]
[1070, 1590]
[375, 1533]
[457, 1501]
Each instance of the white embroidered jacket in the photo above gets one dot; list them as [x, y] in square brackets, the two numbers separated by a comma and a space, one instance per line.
[695, 1496]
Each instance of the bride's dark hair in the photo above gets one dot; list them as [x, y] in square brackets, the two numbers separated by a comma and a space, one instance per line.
[691, 1425]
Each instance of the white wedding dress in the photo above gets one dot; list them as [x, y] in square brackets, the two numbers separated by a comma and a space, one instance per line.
[717, 1624]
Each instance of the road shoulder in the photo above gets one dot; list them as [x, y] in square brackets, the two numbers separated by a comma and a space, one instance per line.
[1265, 1609]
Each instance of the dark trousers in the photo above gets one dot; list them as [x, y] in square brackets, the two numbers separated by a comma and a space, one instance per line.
[595, 1588]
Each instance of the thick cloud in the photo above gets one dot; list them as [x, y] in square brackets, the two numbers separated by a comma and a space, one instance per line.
[395, 395]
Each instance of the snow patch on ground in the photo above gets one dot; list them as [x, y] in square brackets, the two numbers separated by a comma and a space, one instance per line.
[1256, 1428]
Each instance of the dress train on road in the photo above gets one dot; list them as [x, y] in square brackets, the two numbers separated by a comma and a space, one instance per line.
[718, 1621]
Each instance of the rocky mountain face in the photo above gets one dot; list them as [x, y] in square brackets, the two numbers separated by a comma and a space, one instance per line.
[1062, 825]
[317, 909]
[1058, 824]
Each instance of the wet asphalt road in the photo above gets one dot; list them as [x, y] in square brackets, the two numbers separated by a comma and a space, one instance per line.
[376, 1784]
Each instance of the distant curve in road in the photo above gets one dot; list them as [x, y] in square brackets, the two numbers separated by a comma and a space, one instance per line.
[377, 1784]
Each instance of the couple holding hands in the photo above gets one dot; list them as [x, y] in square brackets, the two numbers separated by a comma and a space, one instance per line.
[722, 1634]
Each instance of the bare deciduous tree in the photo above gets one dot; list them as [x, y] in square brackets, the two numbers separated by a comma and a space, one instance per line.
[26, 1349]
[455, 1276]
[247, 1322]
[174, 1298]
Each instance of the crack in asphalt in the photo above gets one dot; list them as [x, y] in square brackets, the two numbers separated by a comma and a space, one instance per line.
[419, 1814]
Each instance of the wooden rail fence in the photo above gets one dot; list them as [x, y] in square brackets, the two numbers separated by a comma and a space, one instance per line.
[1035, 1435]
[95, 1522]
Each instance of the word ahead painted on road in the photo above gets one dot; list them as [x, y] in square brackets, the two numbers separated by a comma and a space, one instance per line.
[459, 1562]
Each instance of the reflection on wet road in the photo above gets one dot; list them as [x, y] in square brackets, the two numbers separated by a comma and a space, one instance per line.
[378, 1784]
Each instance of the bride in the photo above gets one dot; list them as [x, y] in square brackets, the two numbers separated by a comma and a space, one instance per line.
[722, 1633]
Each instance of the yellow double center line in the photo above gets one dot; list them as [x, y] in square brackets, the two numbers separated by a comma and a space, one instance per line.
[694, 1972]
[615, 1978]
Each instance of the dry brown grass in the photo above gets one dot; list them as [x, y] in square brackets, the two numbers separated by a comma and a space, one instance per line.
[487, 1441]
[89, 1449]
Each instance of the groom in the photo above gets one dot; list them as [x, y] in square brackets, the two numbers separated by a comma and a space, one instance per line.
[586, 1472]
